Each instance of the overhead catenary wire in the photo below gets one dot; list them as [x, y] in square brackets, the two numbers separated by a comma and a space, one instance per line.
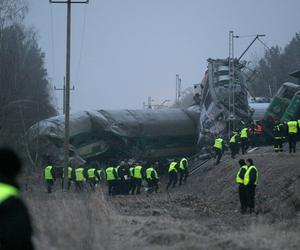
[52, 42]
[81, 44]
[53, 73]
[263, 43]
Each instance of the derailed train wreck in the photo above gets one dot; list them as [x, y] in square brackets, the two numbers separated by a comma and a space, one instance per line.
[215, 110]
[119, 134]
[148, 134]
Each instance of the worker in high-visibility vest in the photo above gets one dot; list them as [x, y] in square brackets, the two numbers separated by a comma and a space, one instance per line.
[79, 178]
[173, 174]
[15, 224]
[242, 188]
[278, 136]
[131, 171]
[99, 175]
[244, 134]
[292, 132]
[70, 173]
[127, 179]
[152, 179]
[233, 144]
[49, 177]
[183, 170]
[138, 175]
[92, 175]
[218, 148]
[250, 181]
[122, 172]
[111, 178]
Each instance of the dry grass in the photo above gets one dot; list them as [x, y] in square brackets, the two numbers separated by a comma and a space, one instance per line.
[74, 221]
[263, 236]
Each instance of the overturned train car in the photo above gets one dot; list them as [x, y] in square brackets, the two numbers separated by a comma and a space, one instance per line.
[222, 101]
[118, 134]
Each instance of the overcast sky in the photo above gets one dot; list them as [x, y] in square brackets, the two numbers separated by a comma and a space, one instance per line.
[126, 50]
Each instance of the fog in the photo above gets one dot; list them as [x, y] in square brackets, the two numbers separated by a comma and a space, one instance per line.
[125, 51]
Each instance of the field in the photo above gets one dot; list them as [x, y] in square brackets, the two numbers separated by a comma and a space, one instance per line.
[202, 214]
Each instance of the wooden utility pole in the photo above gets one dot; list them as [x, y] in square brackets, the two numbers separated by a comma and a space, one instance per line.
[64, 94]
[67, 91]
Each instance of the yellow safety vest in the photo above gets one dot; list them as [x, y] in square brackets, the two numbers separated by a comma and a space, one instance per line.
[7, 191]
[110, 174]
[218, 143]
[79, 174]
[138, 172]
[181, 166]
[292, 127]
[48, 174]
[148, 173]
[244, 133]
[233, 139]
[247, 175]
[69, 173]
[238, 179]
[131, 171]
[91, 172]
[172, 167]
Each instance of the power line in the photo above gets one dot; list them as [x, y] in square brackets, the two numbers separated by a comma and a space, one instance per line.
[81, 44]
[52, 42]
[263, 43]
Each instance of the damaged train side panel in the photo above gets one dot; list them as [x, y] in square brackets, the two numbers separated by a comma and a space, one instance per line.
[118, 133]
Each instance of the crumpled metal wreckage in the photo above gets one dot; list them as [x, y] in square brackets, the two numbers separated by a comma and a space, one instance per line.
[118, 134]
[148, 134]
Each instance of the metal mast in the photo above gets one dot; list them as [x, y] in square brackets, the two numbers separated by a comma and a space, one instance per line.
[231, 99]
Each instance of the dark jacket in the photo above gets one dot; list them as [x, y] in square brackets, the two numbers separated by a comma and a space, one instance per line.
[242, 173]
[15, 225]
[252, 177]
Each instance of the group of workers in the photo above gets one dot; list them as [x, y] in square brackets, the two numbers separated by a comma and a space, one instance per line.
[253, 135]
[123, 178]
[246, 178]
[239, 140]
[289, 130]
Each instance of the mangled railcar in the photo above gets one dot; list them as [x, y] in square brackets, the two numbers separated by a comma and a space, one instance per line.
[119, 134]
[216, 107]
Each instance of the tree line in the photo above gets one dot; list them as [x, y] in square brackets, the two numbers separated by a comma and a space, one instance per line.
[274, 68]
[25, 90]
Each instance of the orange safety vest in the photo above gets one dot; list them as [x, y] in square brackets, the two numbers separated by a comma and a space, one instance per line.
[258, 129]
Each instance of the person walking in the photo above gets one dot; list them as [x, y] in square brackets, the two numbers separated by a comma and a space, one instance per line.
[278, 136]
[92, 174]
[218, 148]
[49, 178]
[79, 179]
[152, 179]
[138, 177]
[292, 131]
[183, 170]
[70, 170]
[15, 223]
[173, 172]
[242, 188]
[111, 178]
[250, 181]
